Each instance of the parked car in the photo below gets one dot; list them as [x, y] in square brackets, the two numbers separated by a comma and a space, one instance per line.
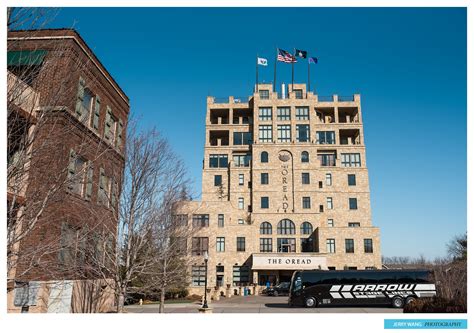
[281, 289]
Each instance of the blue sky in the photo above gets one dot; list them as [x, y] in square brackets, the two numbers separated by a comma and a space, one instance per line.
[409, 65]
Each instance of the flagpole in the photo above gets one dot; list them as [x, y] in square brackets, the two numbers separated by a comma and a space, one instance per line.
[293, 70]
[309, 77]
[256, 79]
[275, 71]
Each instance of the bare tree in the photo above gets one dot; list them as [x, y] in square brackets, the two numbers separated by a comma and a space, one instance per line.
[146, 238]
[457, 247]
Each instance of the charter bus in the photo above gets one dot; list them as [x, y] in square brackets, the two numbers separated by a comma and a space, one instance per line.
[369, 287]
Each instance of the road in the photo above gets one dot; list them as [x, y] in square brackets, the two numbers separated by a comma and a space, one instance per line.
[254, 304]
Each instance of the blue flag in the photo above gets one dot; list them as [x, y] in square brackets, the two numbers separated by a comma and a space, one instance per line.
[312, 60]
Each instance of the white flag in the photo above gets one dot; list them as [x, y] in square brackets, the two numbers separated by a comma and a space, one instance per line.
[262, 61]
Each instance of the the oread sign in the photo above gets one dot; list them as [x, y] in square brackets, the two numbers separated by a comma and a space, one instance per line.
[288, 262]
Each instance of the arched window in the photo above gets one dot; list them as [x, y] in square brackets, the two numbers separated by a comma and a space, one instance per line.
[264, 157]
[286, 227]
[305, 157]
[306, 228]
[265, 228]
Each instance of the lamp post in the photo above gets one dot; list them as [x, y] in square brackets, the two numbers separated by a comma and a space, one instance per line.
[206, 258]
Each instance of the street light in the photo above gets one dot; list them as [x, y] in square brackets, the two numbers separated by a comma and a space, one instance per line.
[206, 259]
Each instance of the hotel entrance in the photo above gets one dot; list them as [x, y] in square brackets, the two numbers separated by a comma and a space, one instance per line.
[274, 277]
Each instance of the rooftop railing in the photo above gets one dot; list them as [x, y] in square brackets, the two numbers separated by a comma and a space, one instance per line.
[325, 98]
[221, 99]
[345, 98]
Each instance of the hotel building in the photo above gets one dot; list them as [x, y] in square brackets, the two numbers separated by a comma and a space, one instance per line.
[284, 187]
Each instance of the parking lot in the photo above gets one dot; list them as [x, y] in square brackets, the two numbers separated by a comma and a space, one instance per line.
[254, 304]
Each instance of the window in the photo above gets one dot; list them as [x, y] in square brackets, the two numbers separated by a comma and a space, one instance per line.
[321, 208]
[265, 133]
[302, 113]
[264, 178]
[283, 113]
[306, 228]
[330, 223]
[325, 137]
[219, 269]
[200, 245]
[200, 220]
[354, 224]
[350, 160]
[368, 246]
[330, 245]
[242, 138]
[220, 220]
[265, 114]
[286, 245]
[349, 246]
[284, 133]
[351, 180]
[286, 227]
[77, 172]
[199, 275]
[86, 106]
[241, 179]
[241, 203]
[305, 178]
[266, 245]
[329, 203]
[328, 179]
[320, 184]
[240, 221]
[264, 202]
[218, 161]
[331, 268]
[306, 202]
[307, 245]
[298, 93]
[110, 125]
[264, 157]
[217, 180]
[305, 157]
[104, 188]
[180, 219]
[264, 94]
[240, 275]
[220, 244]
[265, 228]
[352, 203]
[242, 160]
[240, 244]
[327, 159]
[302, 133]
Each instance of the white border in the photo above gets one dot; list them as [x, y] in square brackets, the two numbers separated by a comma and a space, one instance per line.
[222, 322]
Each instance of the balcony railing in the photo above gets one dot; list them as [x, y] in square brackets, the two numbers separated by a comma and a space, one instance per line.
[221, 100]
[345, 98]
[325, 98]
[244, 99]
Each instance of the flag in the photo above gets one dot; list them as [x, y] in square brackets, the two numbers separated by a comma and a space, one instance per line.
[312, 60]
[262, 61]
[300, 53]
[284, 56]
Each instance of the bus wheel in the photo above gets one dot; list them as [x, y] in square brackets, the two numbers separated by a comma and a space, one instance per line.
[310, 302]
[397, 302]
[409, 299]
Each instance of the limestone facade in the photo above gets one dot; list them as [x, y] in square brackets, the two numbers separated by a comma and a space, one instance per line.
[315, 172]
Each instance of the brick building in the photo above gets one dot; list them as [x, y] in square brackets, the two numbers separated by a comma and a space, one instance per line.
[66, 133]
[284, 186]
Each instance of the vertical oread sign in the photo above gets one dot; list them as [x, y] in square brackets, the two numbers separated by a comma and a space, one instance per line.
[286, 177]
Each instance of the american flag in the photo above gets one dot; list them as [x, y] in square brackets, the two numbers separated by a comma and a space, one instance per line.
[284, 56]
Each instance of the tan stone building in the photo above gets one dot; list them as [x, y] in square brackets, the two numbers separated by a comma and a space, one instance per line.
[284, 186]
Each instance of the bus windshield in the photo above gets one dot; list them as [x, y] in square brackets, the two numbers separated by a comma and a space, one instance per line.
[296, 282]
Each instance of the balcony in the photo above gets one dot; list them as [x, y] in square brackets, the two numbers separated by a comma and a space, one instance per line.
[228, 100]
[349, 137]
[219, 138]
[348, 115]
